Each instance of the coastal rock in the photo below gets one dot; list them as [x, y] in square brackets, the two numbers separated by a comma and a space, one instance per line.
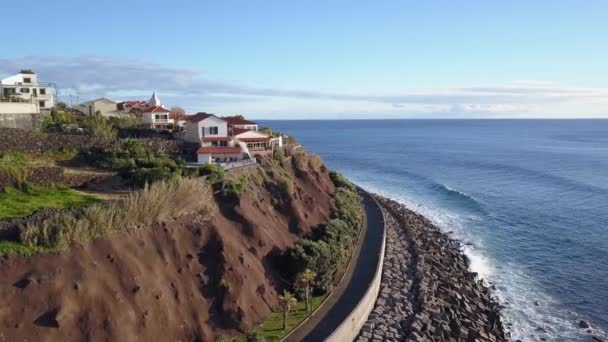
[583, 324]
[427, 289]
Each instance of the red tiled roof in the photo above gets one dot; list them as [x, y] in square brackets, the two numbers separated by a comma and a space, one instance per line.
[237, 131]
[233, 120]
[254, 139]
[198, 117]
[157, 109]
[208, 139]
[219, 150]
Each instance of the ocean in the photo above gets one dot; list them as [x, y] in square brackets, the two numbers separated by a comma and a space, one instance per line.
[528, 198]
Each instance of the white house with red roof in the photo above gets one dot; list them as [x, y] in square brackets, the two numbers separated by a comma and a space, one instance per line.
[224, 139]
[240, 122]
[157, 117]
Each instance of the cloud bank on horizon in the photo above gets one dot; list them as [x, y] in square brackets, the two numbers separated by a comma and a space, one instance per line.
[88, 77]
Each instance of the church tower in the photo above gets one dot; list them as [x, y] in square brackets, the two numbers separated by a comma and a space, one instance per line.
[154, 101]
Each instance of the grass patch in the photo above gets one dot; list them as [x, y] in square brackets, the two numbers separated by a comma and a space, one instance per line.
[272, 326]
[158, 202]
[18, 203]
[17, 248]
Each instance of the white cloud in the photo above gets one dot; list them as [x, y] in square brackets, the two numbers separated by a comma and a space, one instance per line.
[90, 77]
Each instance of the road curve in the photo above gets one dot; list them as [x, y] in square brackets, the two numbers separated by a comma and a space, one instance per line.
[357, 280]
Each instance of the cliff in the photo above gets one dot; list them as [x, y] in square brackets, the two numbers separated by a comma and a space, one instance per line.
[185, 279]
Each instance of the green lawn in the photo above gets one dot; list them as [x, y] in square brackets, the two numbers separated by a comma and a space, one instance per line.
[272, 327]
[18, 203]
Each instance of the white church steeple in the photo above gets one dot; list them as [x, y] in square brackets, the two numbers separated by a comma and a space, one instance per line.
[154, 101]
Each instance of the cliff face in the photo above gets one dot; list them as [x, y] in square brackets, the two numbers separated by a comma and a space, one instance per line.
[181, 280]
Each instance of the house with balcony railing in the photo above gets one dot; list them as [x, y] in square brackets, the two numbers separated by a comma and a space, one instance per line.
[157, 117]
[26, 87]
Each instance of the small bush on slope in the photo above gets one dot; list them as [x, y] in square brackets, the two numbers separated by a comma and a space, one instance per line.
[134, 161]
[158, 202]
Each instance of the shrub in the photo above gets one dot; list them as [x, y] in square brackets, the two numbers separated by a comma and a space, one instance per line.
[278, 154]
[301, 159]
[215, 175]
[256, 336]
[340, 181]
[317, 256]
[190, 172]
[326, 250]
[155, 203]
[134, 161]
[100, 127]
[315, 162]
[348, 207]
[233, 188]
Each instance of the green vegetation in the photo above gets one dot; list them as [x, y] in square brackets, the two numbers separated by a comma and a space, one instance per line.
[287, 301]
[16, 165]
[157, 202]
[326, 252]
[228, 185]
[233, 187]
[272, 327]
[100, 127]
[340, 181]
[304, 281]
[16, 248]
[137, 163]
[307, 161]
[25, 201]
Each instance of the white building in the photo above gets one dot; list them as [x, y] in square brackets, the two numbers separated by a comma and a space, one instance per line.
[25, 87]
[157, 117]
[221, 141]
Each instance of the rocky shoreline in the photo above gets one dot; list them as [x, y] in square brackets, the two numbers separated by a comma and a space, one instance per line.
[427, 291]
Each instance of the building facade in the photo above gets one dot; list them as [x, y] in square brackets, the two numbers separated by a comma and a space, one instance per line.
[22, 115]
[157, 117]
[102, 106]
[25, 87]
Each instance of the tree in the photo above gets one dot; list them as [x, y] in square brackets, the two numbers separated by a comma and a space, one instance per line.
[287, 301]
[304, 281]
[178, 110]
[61, 106]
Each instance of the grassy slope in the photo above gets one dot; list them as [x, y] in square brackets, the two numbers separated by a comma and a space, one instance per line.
[272, 327]
[18, 203]
[10, 247]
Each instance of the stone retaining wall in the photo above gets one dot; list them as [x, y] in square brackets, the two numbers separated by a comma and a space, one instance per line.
[16, 140]
[350, 327]
[49, 175]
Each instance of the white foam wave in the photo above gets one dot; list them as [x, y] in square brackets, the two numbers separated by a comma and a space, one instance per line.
[512, 286]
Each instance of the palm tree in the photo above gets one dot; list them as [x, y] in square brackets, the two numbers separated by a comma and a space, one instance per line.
[286, 301]
[304, 281]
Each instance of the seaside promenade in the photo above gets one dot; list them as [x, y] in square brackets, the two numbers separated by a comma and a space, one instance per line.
[359, 275]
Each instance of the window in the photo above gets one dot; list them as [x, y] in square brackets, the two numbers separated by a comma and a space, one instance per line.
[213, 130]
[25, 90]
[42, 91]
[42, 104]
[219, 143]
[27, 80]
[160, 116]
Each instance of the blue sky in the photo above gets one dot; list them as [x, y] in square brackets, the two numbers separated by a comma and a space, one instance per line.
[322, 59]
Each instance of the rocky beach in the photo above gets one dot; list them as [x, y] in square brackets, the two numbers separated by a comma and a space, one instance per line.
[428, 292]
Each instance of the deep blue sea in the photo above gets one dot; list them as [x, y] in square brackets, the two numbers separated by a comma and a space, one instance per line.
[529, 197]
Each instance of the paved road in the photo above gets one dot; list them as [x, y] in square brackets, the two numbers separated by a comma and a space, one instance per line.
[358, 277]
